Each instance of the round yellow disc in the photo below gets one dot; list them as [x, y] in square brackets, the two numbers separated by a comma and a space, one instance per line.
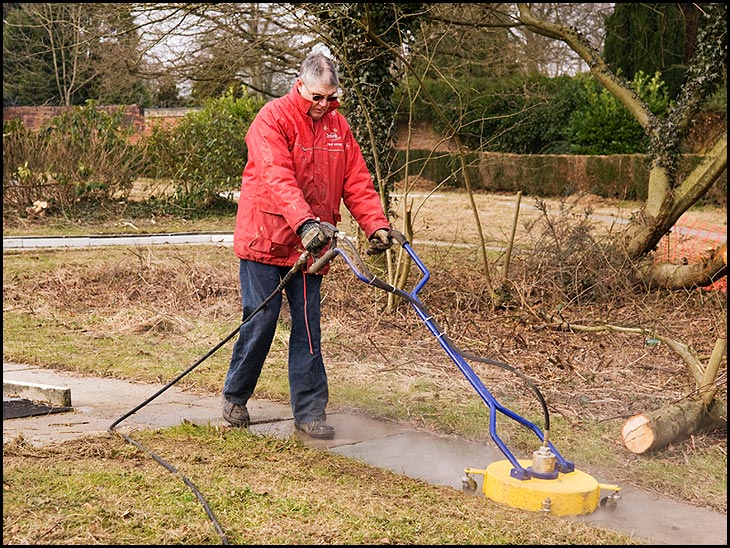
[570, 494]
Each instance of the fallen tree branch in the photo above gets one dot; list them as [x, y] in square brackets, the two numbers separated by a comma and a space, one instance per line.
[655, 430]
[700, 413]
[704, 273]
[688, 356]
[707, 386]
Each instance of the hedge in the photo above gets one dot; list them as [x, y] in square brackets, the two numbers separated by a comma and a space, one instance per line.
[620, 176]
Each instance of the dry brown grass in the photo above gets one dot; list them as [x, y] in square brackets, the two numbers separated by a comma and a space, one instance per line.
[160, 293]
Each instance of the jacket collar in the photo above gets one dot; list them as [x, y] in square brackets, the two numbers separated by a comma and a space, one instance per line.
[303, 104]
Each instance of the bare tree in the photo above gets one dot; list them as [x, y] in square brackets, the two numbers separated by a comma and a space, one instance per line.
[670, 193]
[209, 47]
[555, 58]
[260, 46]
[65, 54]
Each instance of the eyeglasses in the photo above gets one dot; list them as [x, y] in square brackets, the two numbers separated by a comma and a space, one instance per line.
[318, 97]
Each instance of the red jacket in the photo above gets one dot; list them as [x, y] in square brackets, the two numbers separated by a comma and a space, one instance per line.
[299, 169]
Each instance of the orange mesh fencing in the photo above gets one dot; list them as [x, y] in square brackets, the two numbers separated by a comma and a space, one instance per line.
[689, 241]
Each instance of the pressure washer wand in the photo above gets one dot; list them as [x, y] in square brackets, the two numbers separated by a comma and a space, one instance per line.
[547, 452]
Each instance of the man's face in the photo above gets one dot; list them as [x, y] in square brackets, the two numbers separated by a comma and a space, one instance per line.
[321, 96]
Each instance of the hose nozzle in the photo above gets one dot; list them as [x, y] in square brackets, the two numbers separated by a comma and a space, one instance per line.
[543, 461]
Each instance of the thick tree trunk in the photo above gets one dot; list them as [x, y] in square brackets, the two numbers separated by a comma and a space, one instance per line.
[674, 276]
[656, 429]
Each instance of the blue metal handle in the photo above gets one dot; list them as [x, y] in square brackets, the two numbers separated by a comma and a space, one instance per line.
[360, 269]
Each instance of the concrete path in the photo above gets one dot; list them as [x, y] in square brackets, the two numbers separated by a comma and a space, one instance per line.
[440, 460]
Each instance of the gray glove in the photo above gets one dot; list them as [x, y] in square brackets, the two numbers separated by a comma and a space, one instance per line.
[313, 237]
[380, 241]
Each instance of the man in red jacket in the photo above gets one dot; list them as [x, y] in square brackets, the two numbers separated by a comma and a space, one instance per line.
[303, 161]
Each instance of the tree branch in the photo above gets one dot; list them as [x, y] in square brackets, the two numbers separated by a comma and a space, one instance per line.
[688, 356]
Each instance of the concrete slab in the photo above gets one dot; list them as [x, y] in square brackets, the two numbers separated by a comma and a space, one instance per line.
[440, 460]
[34, 242]
[99, 402]
[55, 395]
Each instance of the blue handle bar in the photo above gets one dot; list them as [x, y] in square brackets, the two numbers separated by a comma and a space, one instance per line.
[353, 259]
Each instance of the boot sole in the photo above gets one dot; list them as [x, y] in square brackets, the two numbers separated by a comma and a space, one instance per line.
[318, 435]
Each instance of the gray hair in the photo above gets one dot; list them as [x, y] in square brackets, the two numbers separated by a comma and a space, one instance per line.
[317, 68]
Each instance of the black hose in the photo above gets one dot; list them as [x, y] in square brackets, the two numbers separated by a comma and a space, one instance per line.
[279, 288]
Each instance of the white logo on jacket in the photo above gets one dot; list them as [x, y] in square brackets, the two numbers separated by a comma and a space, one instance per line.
[333, 138]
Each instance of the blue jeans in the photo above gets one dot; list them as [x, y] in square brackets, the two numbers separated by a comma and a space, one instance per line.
[307, 377]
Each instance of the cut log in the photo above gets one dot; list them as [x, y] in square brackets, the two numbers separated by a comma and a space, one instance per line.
[655, 430]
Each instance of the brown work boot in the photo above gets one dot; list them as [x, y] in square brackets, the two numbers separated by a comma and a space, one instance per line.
[316, 429]
[236, 414]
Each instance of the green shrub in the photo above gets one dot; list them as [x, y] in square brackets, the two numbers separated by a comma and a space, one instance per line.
[539, 114]
[204, 154]
[80, 155]
[521, 116]
[511, 114]
[602, 125]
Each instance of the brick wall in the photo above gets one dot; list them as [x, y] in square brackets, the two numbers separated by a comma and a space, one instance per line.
[142, 120]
